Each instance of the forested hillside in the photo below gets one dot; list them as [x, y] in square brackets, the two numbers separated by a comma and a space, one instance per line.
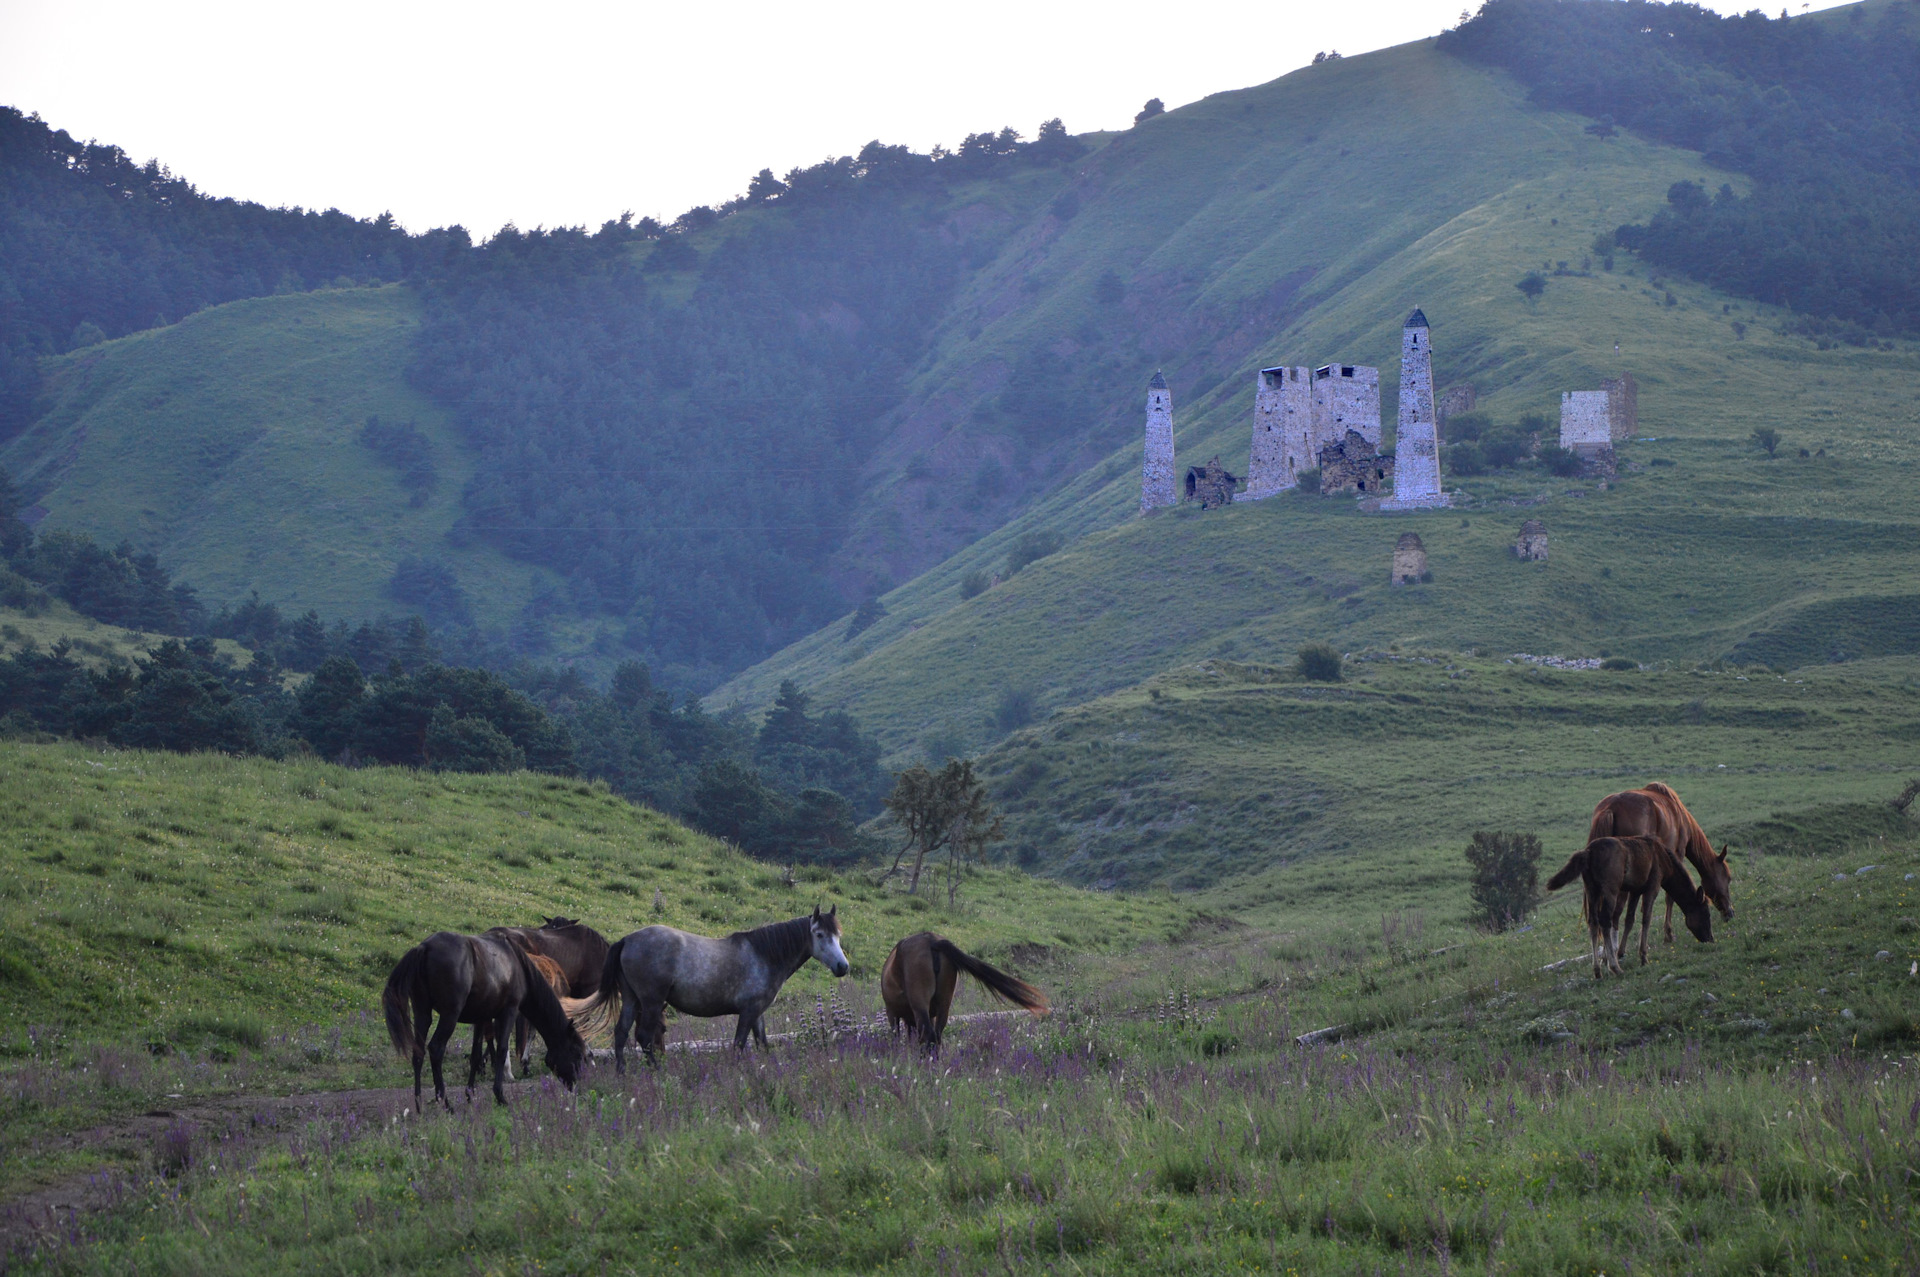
[1825, 115]
[94, 245]
[691, 444]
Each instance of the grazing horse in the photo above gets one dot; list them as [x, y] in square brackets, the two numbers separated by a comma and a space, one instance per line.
[1655, 811]
[1617, 873]
[474, 980]
[659, 967]
[580, 951]
[918, 979]
[556, 979]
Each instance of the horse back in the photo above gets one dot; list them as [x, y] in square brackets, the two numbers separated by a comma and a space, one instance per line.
[695, 974]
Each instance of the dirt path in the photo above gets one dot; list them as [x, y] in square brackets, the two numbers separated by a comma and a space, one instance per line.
[132, 1141]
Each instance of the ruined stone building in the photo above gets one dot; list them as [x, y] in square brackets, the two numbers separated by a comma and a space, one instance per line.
[1354, 465]
[1453, 401]
[1156, 471]
[1410, 560]
[1531, 547]
[1298, 412]
[1592, 421]
[1416, 472]
[1211, 485]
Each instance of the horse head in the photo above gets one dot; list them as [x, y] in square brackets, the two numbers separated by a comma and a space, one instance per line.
[826, 939]
[1716, 878]
[566, 1055]
[559, 924]
[1700, 921]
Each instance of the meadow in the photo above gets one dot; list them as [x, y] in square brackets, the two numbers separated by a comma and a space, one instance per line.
[1241, 779]
[1748, 1106]
[196, 910]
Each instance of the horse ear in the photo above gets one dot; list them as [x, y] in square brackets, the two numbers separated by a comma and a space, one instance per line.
[835, 911]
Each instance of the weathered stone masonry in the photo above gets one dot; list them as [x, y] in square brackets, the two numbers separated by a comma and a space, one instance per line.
[1156, 471]
[1416, 471]
[1298, 412]
[1211, 485]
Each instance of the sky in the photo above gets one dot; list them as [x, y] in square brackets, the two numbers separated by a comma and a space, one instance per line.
[570, 112]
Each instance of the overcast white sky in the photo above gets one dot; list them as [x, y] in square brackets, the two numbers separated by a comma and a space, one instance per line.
[570, 112]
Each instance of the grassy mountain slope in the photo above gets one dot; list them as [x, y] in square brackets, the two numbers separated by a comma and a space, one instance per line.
[1702, 546]
[229, 444]
[1211, 773]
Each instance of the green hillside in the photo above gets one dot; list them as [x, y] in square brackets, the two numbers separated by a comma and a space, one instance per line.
[229, 444]
[1705, 547]
[1279, 793]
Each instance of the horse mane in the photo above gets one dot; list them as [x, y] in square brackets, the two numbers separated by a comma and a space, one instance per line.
[1698, 844]
[541, 1005]
[780, 942]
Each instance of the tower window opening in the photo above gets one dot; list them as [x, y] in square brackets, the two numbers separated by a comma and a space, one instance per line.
[1347, 371]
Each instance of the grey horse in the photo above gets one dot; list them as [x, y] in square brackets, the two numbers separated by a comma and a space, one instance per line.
[660, 967]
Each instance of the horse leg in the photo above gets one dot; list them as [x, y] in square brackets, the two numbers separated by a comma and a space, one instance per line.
[1646, 924]
[523, 1045]
[437, 1052]
[423, 1020]
[502, 1031]
[629, 1011]
[477, 1057]
[1669, 919]
[760, 1029]
[653, 1030]
[742, 1027]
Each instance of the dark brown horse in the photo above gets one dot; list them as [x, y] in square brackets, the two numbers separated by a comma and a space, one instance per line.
[1617, 874]
[476, 980]
[580, 952]
[918, 980]
[1655, 811]
[556, 979]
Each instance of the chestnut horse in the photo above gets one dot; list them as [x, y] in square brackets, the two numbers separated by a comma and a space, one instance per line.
[578, 950]
[1619, 873]
[917, 984]
[1655, 811]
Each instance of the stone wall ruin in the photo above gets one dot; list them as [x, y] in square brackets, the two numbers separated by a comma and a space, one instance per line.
[1211, 485]
[1353, 465]
[1531, 547]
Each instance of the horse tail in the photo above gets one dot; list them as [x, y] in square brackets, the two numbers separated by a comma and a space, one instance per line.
[1575, 866]
[397, 1000]
[997, 982]
[599, 1009]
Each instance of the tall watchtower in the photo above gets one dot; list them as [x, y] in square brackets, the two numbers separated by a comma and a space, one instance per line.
[1283, 438]
[1416, 471]
[1156, 471]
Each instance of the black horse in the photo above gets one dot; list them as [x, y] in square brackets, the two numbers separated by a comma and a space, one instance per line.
[481, 981]
[581, 953]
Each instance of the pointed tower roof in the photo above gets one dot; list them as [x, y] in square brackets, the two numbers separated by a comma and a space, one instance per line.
[1159, 382]
[1416, 319]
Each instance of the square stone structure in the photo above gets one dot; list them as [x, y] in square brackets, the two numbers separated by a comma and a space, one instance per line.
[1531, 547]
[1156, 469]
[1283, 440]
[1416, 468]
[1346, 397]
[1211, 485]
[1409, 560]
[1592, 421]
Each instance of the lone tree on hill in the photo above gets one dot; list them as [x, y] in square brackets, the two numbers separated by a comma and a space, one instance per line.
[1532, 284]
[1153, 107]
[947, 808]
[1506, 878]
[1766, 438]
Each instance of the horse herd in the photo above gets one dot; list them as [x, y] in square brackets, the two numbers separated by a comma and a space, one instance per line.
[561, 976]
[1636, 843]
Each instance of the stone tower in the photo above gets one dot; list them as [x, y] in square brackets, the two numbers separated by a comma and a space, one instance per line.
[1283, 438]
[1416, 471]
[1156, 471]
[1345, 397]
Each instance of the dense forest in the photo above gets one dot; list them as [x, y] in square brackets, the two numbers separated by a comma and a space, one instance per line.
[94, 245]
[1824, 113]
[675, 434]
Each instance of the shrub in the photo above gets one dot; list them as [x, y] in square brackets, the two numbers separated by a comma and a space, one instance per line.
[1032, 546]
[1619, 663]
[1464, 427]
[1564, 462]
[1015, 710]
[1318, 662]
[1506, 877]
[1765, 438]
[974, 584]
[1464, 458]
[1308, 480]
